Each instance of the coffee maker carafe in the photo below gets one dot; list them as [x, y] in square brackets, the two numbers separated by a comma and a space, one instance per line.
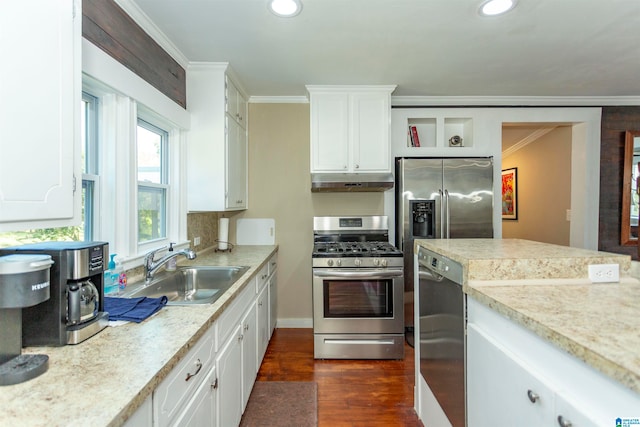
[75, 311]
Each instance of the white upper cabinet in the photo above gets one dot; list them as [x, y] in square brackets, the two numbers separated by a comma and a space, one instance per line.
[40, 96]
[350, 128]
[236, 104]
[217, 142]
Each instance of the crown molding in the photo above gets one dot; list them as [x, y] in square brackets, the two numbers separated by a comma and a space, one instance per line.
[278, 100]
[512, 101]
[537, 134]
[141, 18]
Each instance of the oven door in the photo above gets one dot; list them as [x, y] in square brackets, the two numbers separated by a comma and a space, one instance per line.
[358, 301]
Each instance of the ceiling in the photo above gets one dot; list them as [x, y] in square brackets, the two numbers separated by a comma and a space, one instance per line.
[427, 47]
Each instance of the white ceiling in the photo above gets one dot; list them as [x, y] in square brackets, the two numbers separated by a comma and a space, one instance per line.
[426, 47]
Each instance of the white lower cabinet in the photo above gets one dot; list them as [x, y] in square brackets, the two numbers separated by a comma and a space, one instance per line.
[249, 344]
[212, 384]
[200, 411]
[273, 294]
[229, 369]
[514, 377]
[501, 390]
[264, 332]
[237, 359]
[173, 393]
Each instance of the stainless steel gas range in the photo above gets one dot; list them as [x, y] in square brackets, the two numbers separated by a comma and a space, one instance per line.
[358, 289]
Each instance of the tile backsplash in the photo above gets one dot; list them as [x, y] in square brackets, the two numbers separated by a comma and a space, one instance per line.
[205, 226]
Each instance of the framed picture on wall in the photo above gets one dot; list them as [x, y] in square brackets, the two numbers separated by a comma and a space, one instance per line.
[510, 193]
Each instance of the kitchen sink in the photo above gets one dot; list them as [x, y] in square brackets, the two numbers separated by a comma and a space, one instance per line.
[190, 285]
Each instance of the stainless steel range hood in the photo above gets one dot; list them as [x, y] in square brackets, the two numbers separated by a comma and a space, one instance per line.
[350, 182]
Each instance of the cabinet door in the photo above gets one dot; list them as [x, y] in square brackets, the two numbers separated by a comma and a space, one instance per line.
[264, 332]
[182, 382]
[273, 303]
[571, 415]
[232, 99]
[500, 391]
[236, 104]
[330, 132]
[249, 353]
[236, 197]
[229, 393]
[370, 132]
[40, 110]
[199, 412]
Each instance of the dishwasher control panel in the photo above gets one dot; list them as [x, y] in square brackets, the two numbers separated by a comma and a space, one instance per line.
[440, 264]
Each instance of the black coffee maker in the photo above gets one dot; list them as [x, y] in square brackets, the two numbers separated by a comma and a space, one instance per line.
[75, 311]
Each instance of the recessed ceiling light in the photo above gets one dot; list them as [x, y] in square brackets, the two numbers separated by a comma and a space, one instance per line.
[496, 7]
[285, 8]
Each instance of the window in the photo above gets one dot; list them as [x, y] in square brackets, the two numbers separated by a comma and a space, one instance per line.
[90, 177]
[152, 170]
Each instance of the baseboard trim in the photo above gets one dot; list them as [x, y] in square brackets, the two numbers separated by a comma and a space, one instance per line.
[295, 323]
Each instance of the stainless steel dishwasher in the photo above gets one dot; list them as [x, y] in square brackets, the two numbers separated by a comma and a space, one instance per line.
[439, 330]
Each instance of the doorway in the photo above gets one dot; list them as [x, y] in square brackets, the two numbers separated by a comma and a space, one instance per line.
[539, 155]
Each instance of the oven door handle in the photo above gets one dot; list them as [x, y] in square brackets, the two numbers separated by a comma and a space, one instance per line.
[372, 275]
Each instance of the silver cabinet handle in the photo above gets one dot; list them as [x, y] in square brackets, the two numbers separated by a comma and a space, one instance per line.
[564, 423]
[533, 397]
[198, 367]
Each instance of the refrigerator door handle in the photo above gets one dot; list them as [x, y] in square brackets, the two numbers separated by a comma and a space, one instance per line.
[448, 213]
[442, 218]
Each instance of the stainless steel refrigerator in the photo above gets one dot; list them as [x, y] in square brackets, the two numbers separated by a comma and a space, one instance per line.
[440, 198]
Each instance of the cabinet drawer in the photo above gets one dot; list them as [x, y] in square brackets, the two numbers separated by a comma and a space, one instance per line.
[261, 277]
[172, 393]
[273, 264]
[230, 318]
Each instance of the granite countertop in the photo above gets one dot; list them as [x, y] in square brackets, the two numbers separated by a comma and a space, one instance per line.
[102, 381]
[546, 289]
[513, 259]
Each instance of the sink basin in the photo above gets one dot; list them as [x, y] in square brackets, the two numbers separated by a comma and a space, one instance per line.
[190, 285]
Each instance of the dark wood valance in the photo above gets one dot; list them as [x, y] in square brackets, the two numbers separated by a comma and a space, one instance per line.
[109, 27]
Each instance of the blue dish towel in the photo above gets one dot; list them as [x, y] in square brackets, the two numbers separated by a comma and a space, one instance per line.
[133, 309]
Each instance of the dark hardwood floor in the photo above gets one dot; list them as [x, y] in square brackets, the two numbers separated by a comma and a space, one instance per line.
[353, 393]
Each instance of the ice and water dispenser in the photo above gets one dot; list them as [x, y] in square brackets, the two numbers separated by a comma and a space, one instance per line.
[422, 218]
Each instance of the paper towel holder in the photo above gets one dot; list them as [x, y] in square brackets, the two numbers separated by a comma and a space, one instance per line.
[228, 249]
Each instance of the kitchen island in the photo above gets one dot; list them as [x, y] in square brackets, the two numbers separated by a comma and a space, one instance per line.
[104, 380]
[541, 292]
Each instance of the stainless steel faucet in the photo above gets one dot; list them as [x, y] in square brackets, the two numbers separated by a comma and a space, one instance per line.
[151, 266]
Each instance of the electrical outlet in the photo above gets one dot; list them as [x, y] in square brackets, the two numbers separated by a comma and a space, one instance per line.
[604, 273]
[196, 241]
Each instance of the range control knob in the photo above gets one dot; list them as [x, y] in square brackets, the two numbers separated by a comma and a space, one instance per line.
[384, 262]
[376, 262]
[357, 262]
[338, 262]
[329, 262]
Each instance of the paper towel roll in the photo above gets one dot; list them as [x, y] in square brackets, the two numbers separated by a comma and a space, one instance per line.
[223, 233]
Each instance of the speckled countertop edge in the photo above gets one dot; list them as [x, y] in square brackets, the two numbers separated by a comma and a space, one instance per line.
[103, 381]
[518, 259]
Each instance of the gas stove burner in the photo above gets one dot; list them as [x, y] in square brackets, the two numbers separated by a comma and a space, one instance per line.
[345, 249]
